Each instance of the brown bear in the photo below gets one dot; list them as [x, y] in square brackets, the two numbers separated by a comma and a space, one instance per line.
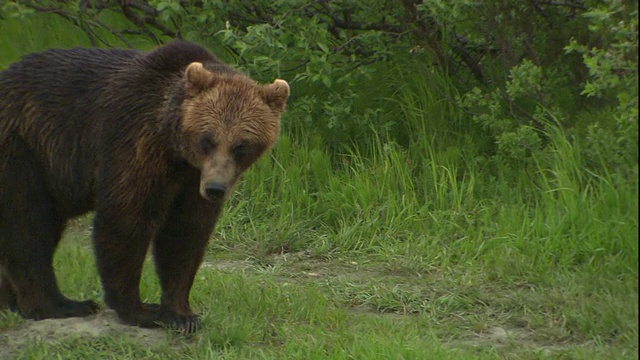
[152, 142]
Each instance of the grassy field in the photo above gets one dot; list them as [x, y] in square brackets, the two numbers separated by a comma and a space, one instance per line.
[387, 251]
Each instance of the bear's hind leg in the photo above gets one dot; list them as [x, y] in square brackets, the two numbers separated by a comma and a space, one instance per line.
[8, 296]
[30, 229]
[28, 281]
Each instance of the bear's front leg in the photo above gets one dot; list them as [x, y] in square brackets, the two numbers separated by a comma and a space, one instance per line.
[178, 252]
[121, 245]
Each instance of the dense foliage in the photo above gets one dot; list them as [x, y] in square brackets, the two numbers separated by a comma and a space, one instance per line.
[516, 68]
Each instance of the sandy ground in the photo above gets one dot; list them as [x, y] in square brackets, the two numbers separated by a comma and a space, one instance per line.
[106, 323]
[102, 324]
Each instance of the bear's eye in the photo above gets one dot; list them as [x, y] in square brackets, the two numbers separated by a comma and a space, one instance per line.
[207, 145]
[240, 151]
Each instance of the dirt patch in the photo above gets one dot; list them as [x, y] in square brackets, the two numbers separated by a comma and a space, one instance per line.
[228, 266]
[496, 336]
[103, 324]
[499, 337]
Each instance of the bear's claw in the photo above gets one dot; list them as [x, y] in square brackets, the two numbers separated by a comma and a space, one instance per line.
[154, 315]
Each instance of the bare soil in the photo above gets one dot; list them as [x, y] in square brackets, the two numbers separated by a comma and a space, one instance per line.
[103, 324]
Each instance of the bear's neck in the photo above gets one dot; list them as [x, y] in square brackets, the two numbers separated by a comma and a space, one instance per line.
[170, 119]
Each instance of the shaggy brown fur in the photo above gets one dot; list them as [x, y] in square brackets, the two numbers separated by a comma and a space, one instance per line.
[153, 142]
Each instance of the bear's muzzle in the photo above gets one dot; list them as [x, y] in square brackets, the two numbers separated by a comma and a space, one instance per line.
[215, 190]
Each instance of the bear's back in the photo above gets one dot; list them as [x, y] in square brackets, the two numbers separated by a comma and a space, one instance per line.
[62, 73]
[69, 79]
[80, 85]
[57, 83]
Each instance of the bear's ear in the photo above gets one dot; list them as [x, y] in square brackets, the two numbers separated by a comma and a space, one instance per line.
[197, 79]
[276, 94]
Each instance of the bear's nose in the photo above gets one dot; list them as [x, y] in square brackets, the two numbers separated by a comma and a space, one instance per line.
[215, 190]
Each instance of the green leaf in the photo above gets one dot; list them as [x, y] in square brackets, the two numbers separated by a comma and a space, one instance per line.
[323, 47]
[163, 5]
[326, 80]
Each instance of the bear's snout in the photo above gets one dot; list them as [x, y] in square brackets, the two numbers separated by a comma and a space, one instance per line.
[214, 190]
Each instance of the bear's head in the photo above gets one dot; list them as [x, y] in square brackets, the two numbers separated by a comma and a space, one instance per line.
[228, 122]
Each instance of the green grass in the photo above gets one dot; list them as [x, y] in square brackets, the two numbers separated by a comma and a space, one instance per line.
[413, 248]
[353, 305]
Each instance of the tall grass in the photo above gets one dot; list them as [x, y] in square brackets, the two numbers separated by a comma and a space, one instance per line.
[389, 196]
[428, 206]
